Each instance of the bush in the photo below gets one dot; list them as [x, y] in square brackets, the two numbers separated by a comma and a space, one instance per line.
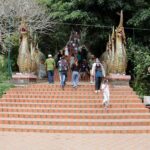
[4, 87]
[139, 56]
[4, 84]
[3, 69]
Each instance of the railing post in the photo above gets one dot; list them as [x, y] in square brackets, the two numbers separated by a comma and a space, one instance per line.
[9, 49]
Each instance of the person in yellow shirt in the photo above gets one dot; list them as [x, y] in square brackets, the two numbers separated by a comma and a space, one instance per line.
[50, 66]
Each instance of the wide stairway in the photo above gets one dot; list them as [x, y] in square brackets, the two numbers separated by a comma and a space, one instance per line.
[47, 108]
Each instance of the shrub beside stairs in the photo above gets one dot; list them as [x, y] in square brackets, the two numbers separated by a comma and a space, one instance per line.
[47, 108]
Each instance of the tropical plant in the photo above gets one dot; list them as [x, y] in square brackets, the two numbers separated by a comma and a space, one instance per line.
[11, 14]
[139, 57]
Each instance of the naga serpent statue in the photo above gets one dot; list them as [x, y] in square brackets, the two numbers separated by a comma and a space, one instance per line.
[24, 57]
[29, 57]
[115, 56]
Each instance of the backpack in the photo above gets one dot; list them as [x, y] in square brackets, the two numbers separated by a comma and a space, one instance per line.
[63, 65]
[98, 71]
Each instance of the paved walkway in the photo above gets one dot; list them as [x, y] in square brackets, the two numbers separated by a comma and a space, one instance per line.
[37, 141]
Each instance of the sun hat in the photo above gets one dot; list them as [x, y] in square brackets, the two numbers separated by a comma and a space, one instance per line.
[49, 55]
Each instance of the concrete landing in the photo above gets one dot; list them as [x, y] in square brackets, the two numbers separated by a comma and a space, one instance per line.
[44, 141]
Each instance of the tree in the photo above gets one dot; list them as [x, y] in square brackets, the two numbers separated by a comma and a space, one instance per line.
[139, 57]
[12, 12]
[98, 16]
[140, 20]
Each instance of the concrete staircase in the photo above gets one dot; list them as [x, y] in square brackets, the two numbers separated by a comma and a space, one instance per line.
[47, 108]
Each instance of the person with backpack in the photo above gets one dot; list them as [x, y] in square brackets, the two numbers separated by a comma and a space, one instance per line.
[63, 68]
[99, 72]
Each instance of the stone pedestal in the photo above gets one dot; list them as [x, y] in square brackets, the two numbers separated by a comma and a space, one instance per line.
[118, 79]
[147, 100]
[23, 78]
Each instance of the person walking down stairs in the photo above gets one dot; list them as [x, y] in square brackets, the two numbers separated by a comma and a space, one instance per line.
[72, 60]
[50, 66]
[75, 73]
[63, 68]
[99, 72]
[84, 70]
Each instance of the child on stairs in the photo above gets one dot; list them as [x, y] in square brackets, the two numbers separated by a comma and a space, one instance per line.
[106, 94]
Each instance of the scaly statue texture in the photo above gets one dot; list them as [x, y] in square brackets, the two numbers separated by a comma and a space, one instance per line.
[115, 56]
[24, 57]
[29, 57]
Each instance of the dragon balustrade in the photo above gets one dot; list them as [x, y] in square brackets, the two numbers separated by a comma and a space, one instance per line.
[29, 55]
[115, 56]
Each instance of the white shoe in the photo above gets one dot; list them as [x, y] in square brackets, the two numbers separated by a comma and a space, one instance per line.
[96, 91]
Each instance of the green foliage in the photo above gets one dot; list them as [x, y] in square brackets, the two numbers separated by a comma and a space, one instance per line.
[140, 57]
[12, 43]
[14, 50]
[89, 12]
[54, 41]
[2, 61]
[3, 76]
[76, 15]
[141, 17]
[96, 17]
[12, 39]
[4, 87]
[3, 69]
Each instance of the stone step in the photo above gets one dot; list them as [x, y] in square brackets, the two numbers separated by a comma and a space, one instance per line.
[75, 122]
[68, 88]
[73, 91]
[56, 100]
[94, 96]
[68, 92]
[54, 87]
[75, 116]
[74, 110]
[73, 105]
[47, 108]
[82, 84]
[77, 129]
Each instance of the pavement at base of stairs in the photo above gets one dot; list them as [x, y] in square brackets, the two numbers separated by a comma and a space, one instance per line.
[45, 141]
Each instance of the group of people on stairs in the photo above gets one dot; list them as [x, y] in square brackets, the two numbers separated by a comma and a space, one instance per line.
[97, 74]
